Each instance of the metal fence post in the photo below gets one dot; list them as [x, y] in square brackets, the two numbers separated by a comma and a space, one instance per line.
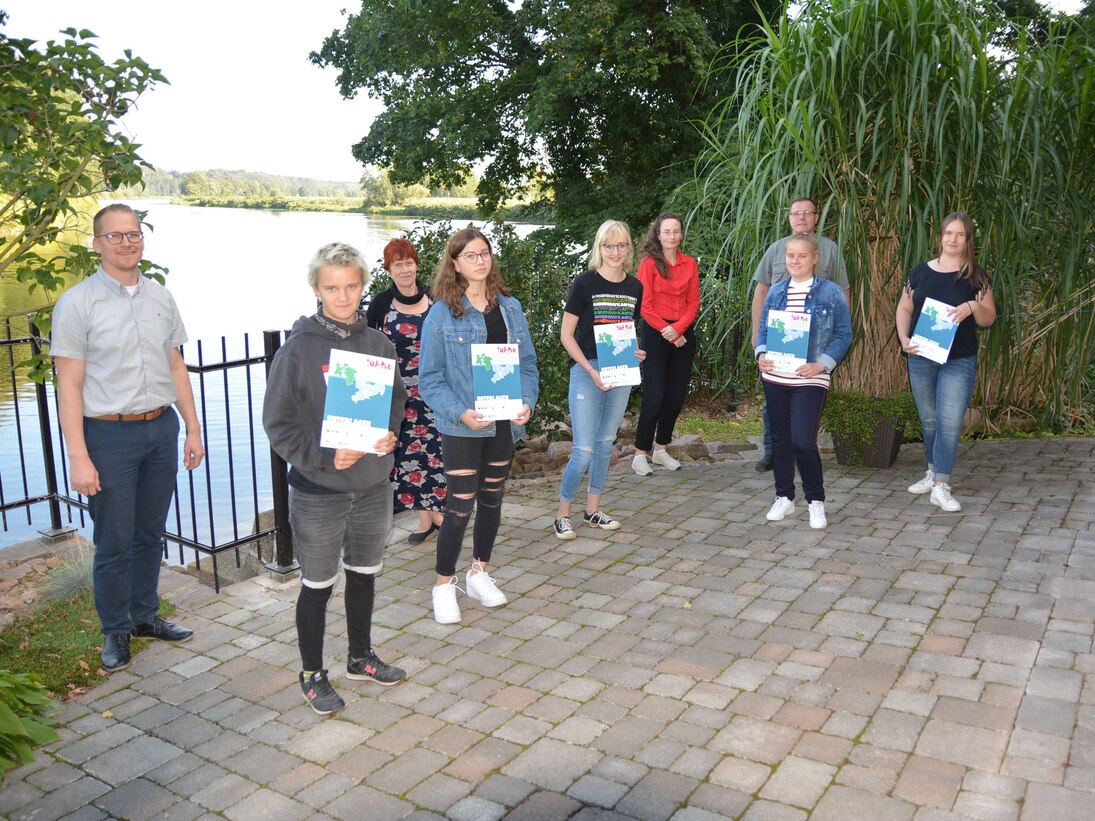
[283, 562]
[49, 464]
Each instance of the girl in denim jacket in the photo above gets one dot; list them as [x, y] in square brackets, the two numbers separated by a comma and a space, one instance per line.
[795, 399]
[471, 306]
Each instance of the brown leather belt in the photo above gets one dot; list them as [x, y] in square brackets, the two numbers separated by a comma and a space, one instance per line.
[147, 416]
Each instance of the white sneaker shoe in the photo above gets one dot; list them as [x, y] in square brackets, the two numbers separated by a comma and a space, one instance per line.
[782, 507]
[924, 485]
[445, 608]
[482, 587]
[662, 457]
[640, 465]
[817, 516]
[941, 497]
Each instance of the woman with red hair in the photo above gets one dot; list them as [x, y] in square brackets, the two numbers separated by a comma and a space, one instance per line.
[418, 478]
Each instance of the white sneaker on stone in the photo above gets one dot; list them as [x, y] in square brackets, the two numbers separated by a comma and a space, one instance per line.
[662, 457]
[482, 587]
[640, 465]
[782, 507]
[817, 515]
[445, 608]
[924, 485]
[941, 497]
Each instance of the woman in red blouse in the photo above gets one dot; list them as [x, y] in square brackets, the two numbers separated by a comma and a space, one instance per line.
[671, 303]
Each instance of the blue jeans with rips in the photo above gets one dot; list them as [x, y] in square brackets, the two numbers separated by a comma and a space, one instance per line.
[137, 463]
[595, 417]
[942, 394]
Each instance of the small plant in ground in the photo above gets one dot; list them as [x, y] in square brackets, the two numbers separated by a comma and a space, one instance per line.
[25, 710]
[71, 577]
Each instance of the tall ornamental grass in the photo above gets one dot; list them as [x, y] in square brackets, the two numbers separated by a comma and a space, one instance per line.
[893, 114]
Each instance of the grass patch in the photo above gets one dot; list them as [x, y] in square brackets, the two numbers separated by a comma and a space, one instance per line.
[710, 419]
[60, 642]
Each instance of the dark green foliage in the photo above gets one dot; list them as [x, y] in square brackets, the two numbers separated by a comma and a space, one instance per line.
[25, 708]
[591, 100]
[852, 416]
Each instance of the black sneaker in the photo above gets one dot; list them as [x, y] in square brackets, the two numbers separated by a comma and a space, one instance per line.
[163, 630]
[371, 668]
[564, 529]
[319, 693]
[598, 519]
[764, 463]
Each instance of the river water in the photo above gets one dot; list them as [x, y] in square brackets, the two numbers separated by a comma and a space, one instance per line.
[233, 272]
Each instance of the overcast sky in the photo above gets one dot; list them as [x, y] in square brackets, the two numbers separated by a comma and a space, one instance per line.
[242, 92]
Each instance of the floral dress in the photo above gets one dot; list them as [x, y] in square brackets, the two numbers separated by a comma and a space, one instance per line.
[418, 478]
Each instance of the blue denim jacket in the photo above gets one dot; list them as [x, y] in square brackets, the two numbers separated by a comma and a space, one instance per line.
[830, 321]
[444, 366]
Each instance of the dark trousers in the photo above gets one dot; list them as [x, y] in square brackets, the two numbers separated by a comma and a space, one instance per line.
[476, 469]
[137, 463]
[666, 372]
[795, 414]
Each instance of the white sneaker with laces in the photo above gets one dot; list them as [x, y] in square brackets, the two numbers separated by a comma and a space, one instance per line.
[482, 587]
[662, 457]
[941, 497]
[445, 608]
[640, 465]
[782, 507]
[924, 485]
[817, 515]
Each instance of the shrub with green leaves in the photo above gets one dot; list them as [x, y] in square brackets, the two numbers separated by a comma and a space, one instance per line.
[24, 718]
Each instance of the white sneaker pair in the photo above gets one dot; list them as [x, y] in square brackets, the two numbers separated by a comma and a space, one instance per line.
[641, 464]
[940, 493]
[784, 507]
[479, 586]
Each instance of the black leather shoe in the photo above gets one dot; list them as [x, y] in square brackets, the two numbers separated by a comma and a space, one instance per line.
[115, 651]
[420, 536]
[764, 463]
[162, 630]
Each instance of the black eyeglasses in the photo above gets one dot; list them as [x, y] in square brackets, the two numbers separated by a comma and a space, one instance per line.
[115, 237]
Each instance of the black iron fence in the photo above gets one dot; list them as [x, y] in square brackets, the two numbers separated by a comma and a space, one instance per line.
[235, 501]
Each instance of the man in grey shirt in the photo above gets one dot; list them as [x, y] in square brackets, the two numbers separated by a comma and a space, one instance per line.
[773, 269]
[119, 370]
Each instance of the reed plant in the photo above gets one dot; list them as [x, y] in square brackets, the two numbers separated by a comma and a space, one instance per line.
[893, 113]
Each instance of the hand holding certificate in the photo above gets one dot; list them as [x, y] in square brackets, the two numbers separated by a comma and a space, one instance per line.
[496, 380]
[935, 331]
[617, 362]
[358, 405]
[788, 341]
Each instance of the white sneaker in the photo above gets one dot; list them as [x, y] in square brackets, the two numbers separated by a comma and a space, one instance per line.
[782, 507]
[817, 516]
[445, 608]
[640, 465]
[941, 497]
[662, 457]
[924, 485]
[482, 587]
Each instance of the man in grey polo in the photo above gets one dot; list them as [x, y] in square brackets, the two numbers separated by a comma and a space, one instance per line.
[773, 269]
[115, 342]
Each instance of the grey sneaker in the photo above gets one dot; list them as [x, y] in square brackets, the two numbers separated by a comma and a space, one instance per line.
[319, 693]
[371, 668]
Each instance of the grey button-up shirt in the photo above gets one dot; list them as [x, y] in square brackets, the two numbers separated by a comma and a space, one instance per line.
[125, 342]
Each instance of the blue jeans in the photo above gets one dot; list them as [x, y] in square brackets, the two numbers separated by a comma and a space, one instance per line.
[595, 417]
[137, 463]
[942, 394]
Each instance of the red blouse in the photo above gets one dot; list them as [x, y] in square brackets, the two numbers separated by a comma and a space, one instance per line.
[676, 299]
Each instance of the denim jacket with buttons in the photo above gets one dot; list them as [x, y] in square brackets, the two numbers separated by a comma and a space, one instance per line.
[830, 321]
[444, 369]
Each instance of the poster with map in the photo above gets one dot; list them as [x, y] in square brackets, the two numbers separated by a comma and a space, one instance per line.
[788, 340]
[616, 347]
[496, 380]
[358, 406]
[934, 331]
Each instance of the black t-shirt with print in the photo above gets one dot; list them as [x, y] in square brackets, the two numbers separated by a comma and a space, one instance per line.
[596, 301]
[926, 282]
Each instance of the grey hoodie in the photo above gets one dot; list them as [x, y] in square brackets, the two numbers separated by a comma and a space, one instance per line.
[292, 412]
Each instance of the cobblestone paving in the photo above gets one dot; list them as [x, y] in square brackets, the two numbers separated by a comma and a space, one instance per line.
[697, 663]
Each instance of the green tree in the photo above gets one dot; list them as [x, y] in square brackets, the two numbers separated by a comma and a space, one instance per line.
[60, 144]
[593, 99]
[894, 114]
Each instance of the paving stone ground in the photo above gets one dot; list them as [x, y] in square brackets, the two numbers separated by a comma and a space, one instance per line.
[698, 663]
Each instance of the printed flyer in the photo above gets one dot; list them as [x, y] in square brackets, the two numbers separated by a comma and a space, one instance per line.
[788, 341]
[358, 406]
[496, 380]
[616, 347]
[934, 332]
